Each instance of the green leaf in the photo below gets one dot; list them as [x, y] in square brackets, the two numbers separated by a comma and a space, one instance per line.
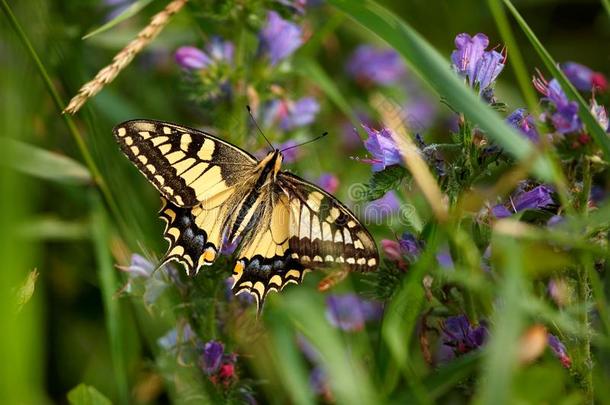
[87, 395]
[129, 12]
[43, 164]
[434, 69]
[597, 132]
[384, 181]
[107, 276]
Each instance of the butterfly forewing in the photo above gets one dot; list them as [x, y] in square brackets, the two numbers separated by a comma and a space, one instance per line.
[187, 166]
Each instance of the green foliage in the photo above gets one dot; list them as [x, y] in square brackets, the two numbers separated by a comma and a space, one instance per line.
[388, 179]
[87, 395]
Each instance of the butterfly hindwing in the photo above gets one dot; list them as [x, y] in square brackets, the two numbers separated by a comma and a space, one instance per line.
[187, 166]
[323, 231]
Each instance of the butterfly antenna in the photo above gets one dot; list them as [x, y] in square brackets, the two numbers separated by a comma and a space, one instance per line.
[259, 128]
[306, 142]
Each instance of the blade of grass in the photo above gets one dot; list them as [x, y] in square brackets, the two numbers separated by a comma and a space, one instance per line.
[129, 12]
[597, 132]
[44, 164]
[606, 4]
[80, 141]
[109, 285]
[501, 353]
[515, 57]
[426, 62]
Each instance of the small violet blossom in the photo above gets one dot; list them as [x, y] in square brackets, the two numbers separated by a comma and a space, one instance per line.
[292, 114]
[328, 182]
[384, 151]
[584, 78]
[279, 38]
[348, 312]
[218, 365]
[372, 65]
[537, 198]
[471, 61]
[565, 117]
[211, 358]
[521, 120]
[463, 337]
[600, 114]
[406, 247]
[559, 350]
[216, 51]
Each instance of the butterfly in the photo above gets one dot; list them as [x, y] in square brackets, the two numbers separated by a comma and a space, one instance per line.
[215, 194]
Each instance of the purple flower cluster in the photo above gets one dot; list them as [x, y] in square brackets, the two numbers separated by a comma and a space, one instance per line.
[217, 51]
[407, 247]
[350, 313]
[537, 198]
[462, 336]
[292, 114]
[372, 65]
[565, 116]
[584, 78]
[521, 120]
[218, 365]
[279, 38]
[471, 61]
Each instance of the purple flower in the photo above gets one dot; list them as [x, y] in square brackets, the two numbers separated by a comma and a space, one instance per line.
[559, 350]
[376, 211]
[471, 61]
[381, 66]
[139, 267]
[565, 118]
[489, 67]
[212, 357]
[463, 337]
[328, 182]
[409, 245]
[469, 52]
[520, 119]
[382, 148]
[279, 38]
[537, 198]
[583, 78]
[292, 114]
[217, 51]
[348, 312]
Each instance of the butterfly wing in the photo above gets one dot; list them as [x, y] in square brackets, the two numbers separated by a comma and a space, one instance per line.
[323, 231]
[301, 228]
[186, 165]
[200, 178]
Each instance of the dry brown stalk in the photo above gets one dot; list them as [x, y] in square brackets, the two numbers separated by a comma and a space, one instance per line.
[123, 58]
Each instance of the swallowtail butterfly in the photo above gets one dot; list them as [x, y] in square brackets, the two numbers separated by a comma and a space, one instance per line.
[214, 192]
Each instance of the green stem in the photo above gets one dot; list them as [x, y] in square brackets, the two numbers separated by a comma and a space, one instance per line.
[584, 363]
[80, 142]
[516, 58]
